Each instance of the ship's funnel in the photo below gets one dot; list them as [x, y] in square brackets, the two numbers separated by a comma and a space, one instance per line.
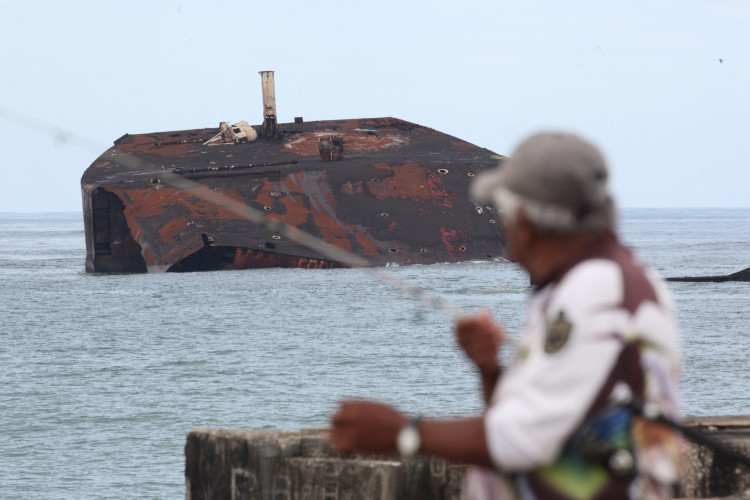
[270, 124]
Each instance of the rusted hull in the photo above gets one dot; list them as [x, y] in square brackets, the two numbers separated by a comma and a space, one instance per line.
[388, 190]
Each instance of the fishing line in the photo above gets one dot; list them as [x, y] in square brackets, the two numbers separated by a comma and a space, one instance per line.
[331, 252]
[243, 211]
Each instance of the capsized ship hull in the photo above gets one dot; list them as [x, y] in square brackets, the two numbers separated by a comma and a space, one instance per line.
[391, 191]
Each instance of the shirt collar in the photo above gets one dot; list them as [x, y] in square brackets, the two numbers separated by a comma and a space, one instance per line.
[602, 247]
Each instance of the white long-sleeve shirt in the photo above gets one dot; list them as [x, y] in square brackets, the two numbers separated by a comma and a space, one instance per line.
[602, 329]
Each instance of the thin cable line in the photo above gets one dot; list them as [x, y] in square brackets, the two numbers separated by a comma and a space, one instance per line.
[242, 210]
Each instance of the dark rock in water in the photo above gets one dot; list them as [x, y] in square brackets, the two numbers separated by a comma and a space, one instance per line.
[743, 275]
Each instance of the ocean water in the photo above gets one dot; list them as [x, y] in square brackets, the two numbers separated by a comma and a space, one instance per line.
[102, 376]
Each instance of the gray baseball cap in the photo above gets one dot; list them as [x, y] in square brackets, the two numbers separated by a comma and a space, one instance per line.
[559, 179]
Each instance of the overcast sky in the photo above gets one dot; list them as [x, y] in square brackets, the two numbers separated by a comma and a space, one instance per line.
[663, 87]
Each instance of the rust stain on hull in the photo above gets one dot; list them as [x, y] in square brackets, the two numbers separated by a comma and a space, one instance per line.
[357, 141]
[391, 191]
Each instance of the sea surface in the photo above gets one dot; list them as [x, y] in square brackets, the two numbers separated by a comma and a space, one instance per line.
[102, 376]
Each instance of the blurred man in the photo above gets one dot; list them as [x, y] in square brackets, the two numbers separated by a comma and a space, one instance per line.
[600, 340]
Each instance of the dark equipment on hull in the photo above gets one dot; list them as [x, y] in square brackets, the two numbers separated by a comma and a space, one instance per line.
[390, 191]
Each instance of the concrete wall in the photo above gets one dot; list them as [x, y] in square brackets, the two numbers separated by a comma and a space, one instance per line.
[706, 474]
[278, 465]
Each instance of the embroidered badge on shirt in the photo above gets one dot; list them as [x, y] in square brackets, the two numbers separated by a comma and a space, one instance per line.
[557, 334]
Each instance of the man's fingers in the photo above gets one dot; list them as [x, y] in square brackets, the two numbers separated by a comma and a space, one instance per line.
[477, 326]
[340, 441]
[340, 428]
[365, 426]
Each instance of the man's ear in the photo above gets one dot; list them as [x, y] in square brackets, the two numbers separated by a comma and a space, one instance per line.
[525, 229]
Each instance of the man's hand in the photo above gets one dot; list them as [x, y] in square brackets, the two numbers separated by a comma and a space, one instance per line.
[480, 337]
[366, 426]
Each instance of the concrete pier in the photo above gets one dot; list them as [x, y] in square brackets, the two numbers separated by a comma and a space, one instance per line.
[279, 465]
[706, 474]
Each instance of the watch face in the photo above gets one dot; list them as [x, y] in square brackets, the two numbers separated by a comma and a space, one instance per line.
[408, 441]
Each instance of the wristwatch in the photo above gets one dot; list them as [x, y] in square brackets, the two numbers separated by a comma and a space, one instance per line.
[408, 441]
